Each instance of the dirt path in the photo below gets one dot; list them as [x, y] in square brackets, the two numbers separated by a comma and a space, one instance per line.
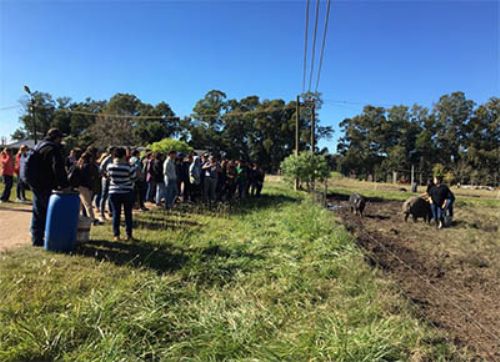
[451, 275]
[14, 223]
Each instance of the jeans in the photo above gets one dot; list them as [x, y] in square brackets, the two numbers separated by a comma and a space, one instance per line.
[171, 193]
[116, 201]
[8, 180]
[104, 195]
[21, 190]
[449, 206]
[437, 212]
[160, 192]
[39, 216]
[209, 189]
[151, 191]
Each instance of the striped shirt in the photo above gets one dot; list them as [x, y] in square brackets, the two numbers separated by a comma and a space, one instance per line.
[121, 177]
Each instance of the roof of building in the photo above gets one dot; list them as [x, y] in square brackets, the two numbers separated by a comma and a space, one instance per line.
[30, 143]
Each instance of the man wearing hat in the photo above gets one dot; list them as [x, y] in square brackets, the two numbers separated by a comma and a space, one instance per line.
[52, 175]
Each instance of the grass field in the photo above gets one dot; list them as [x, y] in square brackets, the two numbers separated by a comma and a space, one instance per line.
[276, 278]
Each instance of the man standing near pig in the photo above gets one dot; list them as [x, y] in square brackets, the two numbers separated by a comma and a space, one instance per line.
[441, 199]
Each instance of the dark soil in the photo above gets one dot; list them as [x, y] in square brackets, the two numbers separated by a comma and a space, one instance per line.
[457, 292]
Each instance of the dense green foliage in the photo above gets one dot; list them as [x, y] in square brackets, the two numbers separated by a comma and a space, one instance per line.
[256, 284]
[307, 167]
[462, 137]
[168, 144]
[250, 128]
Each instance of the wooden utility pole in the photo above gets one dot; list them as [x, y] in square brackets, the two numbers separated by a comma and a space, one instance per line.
[297, 128]
[297, 125]
[313, 126]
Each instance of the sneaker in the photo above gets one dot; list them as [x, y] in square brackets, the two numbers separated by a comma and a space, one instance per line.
[116, 238]
[19, 201]
[144, 208]
[440, 224]
[97, 222]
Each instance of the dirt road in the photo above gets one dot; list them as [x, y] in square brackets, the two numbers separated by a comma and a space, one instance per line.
[451, 275]
[14, 223]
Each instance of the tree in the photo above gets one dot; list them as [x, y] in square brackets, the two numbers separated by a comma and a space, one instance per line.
[169, 144]
[307, 167]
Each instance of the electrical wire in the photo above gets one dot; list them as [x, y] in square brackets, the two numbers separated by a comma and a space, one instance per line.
[327, 17]
[305, 48]
[314, 45]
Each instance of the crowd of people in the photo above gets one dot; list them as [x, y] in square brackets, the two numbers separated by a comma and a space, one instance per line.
[123, 178]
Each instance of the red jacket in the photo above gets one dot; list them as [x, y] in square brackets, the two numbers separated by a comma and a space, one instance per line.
[7, 164]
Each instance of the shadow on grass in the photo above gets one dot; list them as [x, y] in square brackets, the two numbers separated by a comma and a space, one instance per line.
[162, 259]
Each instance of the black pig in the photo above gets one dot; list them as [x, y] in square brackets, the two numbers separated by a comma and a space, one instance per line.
[357, 204]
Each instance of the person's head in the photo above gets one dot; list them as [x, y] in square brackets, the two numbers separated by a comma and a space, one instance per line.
[119, 153]
[172, 154]
[23, 149]
[190, 158]
[438, 180]
[86, 157]
[110, 150]
[7, 151]
[212, 159]
[55, 135]
[136, 153]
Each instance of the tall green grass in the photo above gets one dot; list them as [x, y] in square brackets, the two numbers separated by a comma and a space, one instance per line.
[274, 279]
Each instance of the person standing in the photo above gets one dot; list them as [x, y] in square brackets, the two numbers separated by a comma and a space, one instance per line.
[159, 180]
[7, 165]
[121, 191]
[169, 170]
[140, 180]
[21, 157]
[106, 159]
[195, 177]
[89, 176]
[50, 175]
[440, 196]
[211, 170]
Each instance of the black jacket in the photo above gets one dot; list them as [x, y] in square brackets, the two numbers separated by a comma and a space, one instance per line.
[52, 172]
[157, 171]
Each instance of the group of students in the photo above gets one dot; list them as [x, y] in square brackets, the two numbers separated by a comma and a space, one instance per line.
[121, 178]
[10, 166]
[441, 200]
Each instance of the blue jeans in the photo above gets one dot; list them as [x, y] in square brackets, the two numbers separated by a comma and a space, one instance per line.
[449, 206]
[151, 191]
[116, 201]
[21, 190]
[8, 180]
[160, 192]
[437, 212]
[39, 216]
[171, 193]
[104, 195]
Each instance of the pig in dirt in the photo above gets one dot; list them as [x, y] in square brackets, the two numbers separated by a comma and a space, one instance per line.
[357, 204]
[417, 207]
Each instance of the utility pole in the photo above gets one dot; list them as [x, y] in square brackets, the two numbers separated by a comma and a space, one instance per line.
[313, 126]
[32, 109]
[297, 125]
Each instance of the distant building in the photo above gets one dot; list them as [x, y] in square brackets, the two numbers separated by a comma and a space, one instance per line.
[15, 145]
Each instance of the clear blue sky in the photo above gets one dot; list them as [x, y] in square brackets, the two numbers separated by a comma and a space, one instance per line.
[394, 52]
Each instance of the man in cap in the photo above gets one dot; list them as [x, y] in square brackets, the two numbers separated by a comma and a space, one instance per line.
[51, 175]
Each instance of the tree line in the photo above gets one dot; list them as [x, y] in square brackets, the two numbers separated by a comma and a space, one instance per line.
[456, 138]
[259, 130]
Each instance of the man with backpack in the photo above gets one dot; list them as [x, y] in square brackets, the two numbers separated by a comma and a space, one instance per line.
[45, 172]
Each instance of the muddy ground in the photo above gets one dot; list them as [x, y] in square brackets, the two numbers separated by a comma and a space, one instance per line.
[451, 275]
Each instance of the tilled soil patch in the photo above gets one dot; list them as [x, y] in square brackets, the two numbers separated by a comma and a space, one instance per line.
[454, 291]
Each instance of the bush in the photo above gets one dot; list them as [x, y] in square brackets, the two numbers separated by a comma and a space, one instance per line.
[307, 167]
[168, 144]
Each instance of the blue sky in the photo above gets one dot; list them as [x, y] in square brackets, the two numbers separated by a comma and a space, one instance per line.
[378, 52]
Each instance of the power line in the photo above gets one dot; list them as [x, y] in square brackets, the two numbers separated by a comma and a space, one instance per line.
[328, 3]
[305, 47]
[10, 107]
[314, 44]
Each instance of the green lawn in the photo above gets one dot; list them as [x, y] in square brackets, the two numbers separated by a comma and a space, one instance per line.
[276, 278]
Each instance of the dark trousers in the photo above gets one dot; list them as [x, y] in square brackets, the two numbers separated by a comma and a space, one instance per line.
[140, 187]
[104, 195]
[21, 190]
[8, 180]
[39, 216]
[117, 201]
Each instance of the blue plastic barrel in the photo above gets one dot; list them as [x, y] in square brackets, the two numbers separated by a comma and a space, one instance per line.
[62, 221]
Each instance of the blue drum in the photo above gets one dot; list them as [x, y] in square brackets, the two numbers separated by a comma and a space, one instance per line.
[62, 221]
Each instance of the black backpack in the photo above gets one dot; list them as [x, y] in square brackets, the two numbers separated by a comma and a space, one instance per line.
[33, 168]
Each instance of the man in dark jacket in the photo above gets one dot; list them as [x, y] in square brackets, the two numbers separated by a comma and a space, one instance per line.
[441, 199]
[52, 176]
